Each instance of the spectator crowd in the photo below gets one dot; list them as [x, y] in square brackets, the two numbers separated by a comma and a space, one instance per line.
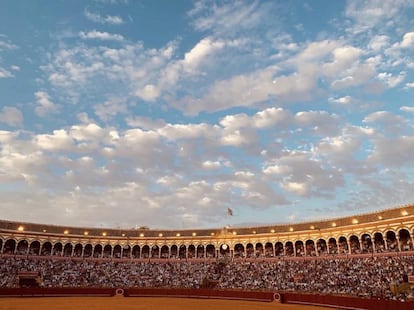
[365, 277]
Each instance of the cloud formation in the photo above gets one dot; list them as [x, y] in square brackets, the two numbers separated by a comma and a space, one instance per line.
[171, 119]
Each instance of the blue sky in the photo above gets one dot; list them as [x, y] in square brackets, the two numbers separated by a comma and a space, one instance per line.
[166, 113]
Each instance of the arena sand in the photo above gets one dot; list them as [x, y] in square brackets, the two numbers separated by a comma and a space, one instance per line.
[141, 303]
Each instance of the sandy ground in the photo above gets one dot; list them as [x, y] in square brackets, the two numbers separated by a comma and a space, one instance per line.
[140, 303]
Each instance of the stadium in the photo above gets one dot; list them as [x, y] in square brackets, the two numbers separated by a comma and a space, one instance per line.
[206, 154]
[365, 260]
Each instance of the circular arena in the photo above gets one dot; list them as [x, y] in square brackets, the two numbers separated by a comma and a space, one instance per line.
[364, 261]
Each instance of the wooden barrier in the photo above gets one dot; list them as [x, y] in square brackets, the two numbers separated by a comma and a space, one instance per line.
[56, 292]
[201, 293]
[339, 302]
[346, 302]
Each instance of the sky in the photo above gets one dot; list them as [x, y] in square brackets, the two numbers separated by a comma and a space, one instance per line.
[158, 113]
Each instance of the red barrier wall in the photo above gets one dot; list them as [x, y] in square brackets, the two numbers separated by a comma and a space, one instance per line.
[344, 302]
[55, 291]
[201, 293]
[347, 302]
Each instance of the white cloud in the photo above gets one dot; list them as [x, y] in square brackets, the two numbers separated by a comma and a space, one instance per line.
[408, 40]
[342, 100]
[200, 52]
[5, 74]
[148, 93]
[211, 165]
[344, 57]
[6, 45]
[108, 19]
[407, 109]
[110, 108]
[271, 117]
[379, 42]
[98, 35]
[399, 154]
[88, 133]
[384, 118]
[44, 104]
[11, 116]
[300, 189]
[390, 79]
[187, 131]
[228, 17]
[58, 141]
[320, 122]
[276, 169]
[367, 15]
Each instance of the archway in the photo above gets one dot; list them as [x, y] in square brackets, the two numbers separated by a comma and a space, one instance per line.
[321, 247]
[155, 251]
[343, 245]
[97, 251]
[145, 251]
[224, 250]
[249, 250]
[77, 252]
[332, 246]
[210, 251]
[366, 244]
[174, 251]
[379, 242]
[354, 244]
[269, 249]
[391, 240]
[117, 252]
[259, 249]
[34, 248]
[182, 251]
[290, 250]
[310, 248]
[300, 249]
[279, 249]
[238, 250]
[67, 250]
[164, 252]
[46, 249]
[9, 246]
[200, 251]
[136, 252]
[107, 251]
[405, 240]
[22, 247]
[126, 251]
[191, 251]
[57, 249]
[87, 251]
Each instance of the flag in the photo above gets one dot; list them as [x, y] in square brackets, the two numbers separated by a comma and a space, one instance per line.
[229, 212]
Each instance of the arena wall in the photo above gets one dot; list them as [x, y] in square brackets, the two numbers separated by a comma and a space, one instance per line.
[385, 231]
